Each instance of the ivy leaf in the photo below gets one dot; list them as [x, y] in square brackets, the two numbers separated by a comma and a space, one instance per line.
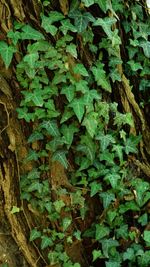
[106, 23]
[35, 186]
[15, 36]
[107, 198]
[101, 231]
[46, 242]
[78, 107]
[59, 204]
[82, 86]
[34, 234]
[46, 24]
[71, 49]
[24, 114]
[69, 92]
[90, 122]
[97, 254]
[100, 77]
[81, 19]
[66, 115]
[88, 3]
[107, 156]
[146, 236]
[135, 65]
[107, 244]
[68, 132]
[31, 59]
[102, 4]
[54, 144]
[113, 179]
[146, 48]
[31, 34]
[119, 151]
[60, 156]
[80, 69]
[95, 188]
[51, 127]
[131, 144]
[55, 16]
[35, 136]
[106, 140]
[88, 151]
[37, 99]
[129, 254]
[90, 96]
[67, 26]
[7, 52]
[66, 223]
[122, 119]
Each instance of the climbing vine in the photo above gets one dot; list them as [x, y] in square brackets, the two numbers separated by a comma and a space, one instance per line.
[82, 141]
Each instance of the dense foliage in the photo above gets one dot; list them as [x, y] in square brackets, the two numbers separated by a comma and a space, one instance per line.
[70, 72]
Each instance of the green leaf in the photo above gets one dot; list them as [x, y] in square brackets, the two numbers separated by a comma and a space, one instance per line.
[102, 4]
[14, 210]
[107, 156]
[69, 92]
[68, 132]
[106, 23]
[51, 127]
[6, 52]
[101, 231]
[81, 19]
[55, 16]
[80, 69]
[35, 186]
[59, 204]
[131, 144]
[31, 59]
[72, 50]
[112, 264]
[67, 26]
[35, 136]
[122, 119]
[113, 179]
[82, 86]
[32, 155]
[46, 242]
[107, 198]
[15, 36]
[88, 151]
[78, 107]
[146, 48]
[119, 152]
[34, 234]
[146, 236]
[106, 140]
[107, 244]
[66, 115]
[31, 34]
[135, 65]
[46, 24]
[143, 220]
[24, 114]
[88, 3]
[60, 156]
[66, 223]
[91, 122]
[54, 144]
[129, 254]
[100, 77]
[97, 254]
[95, 188]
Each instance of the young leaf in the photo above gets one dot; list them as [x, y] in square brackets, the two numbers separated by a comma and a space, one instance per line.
[97, 254]
[59, 204]
[113, 179]
[7, 52]
[146, 48]
[78, 107]
[46, 24]
[60, 156]
[106, 140]
[131, 144]
[66, 223]
[71, 49]
[31, 34]
[34, 234]
[146, 236]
